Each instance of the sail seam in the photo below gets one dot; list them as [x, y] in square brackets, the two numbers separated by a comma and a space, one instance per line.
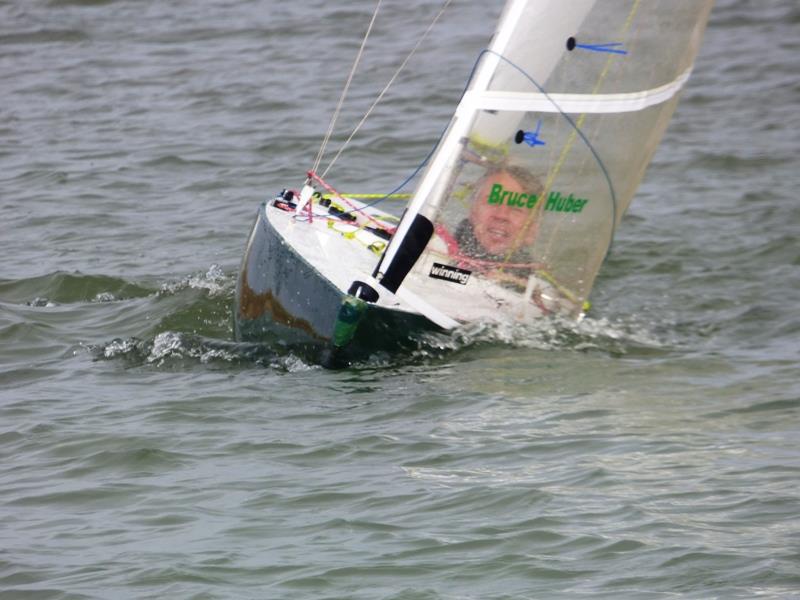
[573, 103]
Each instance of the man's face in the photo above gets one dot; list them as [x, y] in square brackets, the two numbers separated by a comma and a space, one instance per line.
[499, 227]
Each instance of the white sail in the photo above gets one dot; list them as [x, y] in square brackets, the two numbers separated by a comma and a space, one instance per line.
[537, 55]
[518, 206]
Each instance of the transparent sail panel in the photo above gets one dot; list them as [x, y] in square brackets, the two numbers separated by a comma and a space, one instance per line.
[546, 151]
[575, 47]
[523, 229]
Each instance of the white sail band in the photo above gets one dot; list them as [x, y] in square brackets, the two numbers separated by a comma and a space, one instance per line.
[572, 103]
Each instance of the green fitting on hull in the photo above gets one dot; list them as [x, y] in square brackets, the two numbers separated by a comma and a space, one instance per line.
[347, 320]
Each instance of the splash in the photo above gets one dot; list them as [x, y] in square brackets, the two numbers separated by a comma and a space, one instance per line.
[174, 349]
[554, 334]
[188, 324]
[214, 281]
[105, 297]
[183, 349]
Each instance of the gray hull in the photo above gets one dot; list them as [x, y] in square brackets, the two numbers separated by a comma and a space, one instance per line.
[282, 300]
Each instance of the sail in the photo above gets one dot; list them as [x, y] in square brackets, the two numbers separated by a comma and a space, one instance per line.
[519, 204]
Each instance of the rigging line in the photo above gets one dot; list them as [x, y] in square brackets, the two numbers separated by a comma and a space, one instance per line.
[402, 185]
[346, 87]
[577, 126]
[388, 85]
[580, 121]
[576, 132]
[433, 148]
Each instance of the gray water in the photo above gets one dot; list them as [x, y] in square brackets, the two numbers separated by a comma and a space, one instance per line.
[649, 452]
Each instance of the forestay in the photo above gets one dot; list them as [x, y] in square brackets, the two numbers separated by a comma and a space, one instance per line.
[543, 155]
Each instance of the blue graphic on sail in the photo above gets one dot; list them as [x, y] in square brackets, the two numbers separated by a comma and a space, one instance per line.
[609, 48]
[530, 137]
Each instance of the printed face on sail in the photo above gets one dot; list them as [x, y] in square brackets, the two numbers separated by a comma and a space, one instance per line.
[502, 215]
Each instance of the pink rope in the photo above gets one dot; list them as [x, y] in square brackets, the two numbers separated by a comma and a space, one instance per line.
[379, 224]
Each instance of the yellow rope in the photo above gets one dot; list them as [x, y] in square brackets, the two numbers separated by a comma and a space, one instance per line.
[374, 196]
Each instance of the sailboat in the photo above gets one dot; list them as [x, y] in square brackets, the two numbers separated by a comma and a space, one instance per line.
[517, 207]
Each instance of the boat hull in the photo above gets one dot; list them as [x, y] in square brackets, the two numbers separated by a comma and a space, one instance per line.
[282, 299]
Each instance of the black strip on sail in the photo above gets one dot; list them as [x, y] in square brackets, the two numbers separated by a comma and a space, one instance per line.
[414, 242]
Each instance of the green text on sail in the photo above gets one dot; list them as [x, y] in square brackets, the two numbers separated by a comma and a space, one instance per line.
[556, 202]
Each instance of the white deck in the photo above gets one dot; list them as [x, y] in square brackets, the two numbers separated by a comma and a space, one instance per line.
[341, 260]
[340, 253]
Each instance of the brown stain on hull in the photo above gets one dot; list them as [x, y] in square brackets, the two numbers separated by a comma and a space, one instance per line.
[253, 305]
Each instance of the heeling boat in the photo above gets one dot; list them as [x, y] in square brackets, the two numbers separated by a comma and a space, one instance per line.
[518, 205]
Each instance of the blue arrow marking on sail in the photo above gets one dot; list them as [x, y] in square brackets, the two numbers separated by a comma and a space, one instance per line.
[612, 48]
[530, 137]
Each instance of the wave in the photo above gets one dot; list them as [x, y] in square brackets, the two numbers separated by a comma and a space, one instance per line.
[44, 36]
[176, 348]
[66, 288]
[616, 338]
[187, 321]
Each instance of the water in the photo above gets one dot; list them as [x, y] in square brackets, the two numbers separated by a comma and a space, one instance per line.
[650, 452]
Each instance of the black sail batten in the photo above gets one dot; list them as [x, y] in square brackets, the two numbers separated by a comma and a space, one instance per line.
[412, 246]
